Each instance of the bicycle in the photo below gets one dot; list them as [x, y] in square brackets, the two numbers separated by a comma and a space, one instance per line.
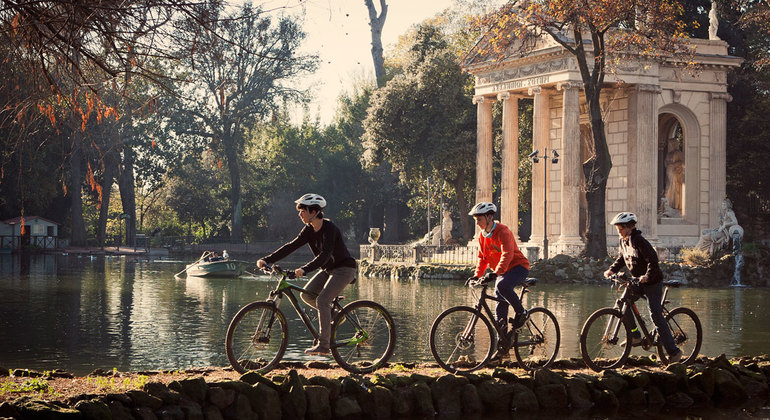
[462, 338]
[363, 333]
[605, 334]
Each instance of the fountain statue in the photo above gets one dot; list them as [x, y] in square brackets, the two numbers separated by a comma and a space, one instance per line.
[374, 235]
[713, 22]
[718, 238]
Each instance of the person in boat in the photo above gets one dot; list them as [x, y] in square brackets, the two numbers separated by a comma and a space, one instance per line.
[215, 257]
[337, 267]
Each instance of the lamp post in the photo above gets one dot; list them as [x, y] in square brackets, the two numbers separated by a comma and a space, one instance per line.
[535, 159]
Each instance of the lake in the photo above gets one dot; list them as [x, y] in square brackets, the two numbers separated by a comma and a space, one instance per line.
[79, 313]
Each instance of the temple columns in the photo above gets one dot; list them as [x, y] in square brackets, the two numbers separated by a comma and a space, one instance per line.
[643, 157]
[570, 241]
[509, 185]
[483, 148]
[717, 154]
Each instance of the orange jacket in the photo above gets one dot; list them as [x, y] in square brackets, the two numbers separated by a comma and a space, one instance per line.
[499, 252]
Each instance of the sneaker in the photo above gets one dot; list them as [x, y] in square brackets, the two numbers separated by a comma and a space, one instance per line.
[318, 349]
[635, 341]
[676, 357]
[519, 320]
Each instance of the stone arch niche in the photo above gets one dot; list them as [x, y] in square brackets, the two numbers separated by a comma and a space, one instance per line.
[678, 162]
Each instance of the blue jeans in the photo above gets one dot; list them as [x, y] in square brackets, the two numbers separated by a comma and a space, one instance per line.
[654, 293]
[504, 288]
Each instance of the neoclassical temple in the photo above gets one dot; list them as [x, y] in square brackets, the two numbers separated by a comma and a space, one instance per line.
[665, 129]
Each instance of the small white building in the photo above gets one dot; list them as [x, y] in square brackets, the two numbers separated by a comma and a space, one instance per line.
[35, 231]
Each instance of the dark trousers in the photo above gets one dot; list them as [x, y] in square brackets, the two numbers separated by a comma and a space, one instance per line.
[505, 288]
[654, 293]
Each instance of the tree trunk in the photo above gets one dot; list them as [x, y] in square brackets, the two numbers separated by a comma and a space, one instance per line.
[596, 171]
[236, 200]
[128, 195]
[76, 193]
[109, 177]
[462, 205]
[376, 23]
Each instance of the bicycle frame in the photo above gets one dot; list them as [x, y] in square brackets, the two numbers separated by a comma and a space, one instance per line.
[482, 304]
[626, 303]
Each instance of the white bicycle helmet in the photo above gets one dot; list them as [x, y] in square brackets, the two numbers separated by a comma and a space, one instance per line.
[311, 200]
[483, 208]
[623, 217]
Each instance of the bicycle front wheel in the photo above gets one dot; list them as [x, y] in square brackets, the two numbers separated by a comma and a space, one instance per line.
[604, 340]
[537, 342]
[363, 337]
[257, 338]
[461, 339]
[687, 331]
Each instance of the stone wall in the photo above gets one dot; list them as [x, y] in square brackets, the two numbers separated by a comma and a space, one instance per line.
[706, 387]
[565, 269]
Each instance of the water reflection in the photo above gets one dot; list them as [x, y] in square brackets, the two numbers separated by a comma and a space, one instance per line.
[82, 313]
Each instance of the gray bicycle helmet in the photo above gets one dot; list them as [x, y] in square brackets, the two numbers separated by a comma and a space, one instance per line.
[622, 218]
[311, 200]
[483, 208]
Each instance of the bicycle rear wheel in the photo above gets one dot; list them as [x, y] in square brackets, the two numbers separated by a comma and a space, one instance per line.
[257, 338]
[604, 340]
[687, 331]
[537, 342]
[461, 339]
[363, 336]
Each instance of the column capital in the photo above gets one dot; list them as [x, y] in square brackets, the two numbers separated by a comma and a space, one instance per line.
[723, 96]
[570, 84]
[648, 88]
[534, 90]
[504, 96]
[480, 99]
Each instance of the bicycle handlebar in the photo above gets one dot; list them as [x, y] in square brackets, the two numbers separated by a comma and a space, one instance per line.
[276, 269]
[622, 280]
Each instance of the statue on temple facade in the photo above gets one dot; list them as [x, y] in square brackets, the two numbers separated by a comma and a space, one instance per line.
[674, 162]
[713, 22]
[666, 210]
[729, 229]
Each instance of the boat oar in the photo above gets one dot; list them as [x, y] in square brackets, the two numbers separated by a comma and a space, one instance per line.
[205, 254]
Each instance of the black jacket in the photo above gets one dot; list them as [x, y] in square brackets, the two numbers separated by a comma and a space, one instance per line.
[639, 257]
[327, 245]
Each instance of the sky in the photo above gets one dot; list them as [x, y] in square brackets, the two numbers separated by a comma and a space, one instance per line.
[338, 31]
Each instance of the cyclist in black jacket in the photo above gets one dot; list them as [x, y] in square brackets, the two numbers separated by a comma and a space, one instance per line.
[638, 255]
[338, 268]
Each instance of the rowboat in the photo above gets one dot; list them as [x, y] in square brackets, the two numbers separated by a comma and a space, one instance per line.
[207, 266]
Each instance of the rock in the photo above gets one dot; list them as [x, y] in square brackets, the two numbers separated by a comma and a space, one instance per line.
[346, 407]
[679, 400]
[381, 402]
[118, 411]
[446, 391]
[269, 407]
[471, 401]
[293, 400]
[160, 390]
[212, 413]
[667, 382]
[143, 399]
[93, 410]
[7, 409]
[240, 410]
[220, 397]
[143, 413]
[578, 394]
[754, 388]
[334, 386]
[523, 400]
[503, 374]
[728, 391]
[545, 376]
[637, 378]
[495, 395]
[704, 380]
[552, 396]
[605, 399]
[634, 398]
[403, 402]
[612, 381]
[170, 412]
[655, 398]
[423, 400]
[195, 388]
[318, 405]
[253, 378]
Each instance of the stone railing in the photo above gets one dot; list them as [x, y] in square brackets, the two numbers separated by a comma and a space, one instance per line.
[413, 254]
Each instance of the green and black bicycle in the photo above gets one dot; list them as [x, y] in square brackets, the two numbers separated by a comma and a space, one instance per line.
[363, 334]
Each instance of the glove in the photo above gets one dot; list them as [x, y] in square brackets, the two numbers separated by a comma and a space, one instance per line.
[471, 279]
[644, 279]
[491, 276]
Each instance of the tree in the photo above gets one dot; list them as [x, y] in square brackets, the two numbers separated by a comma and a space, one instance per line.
[422, 121]
[595, 33]
[376, 23]
[234, 79]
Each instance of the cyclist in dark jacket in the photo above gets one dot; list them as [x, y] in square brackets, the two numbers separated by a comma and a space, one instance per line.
[338, 268]
[638, 255]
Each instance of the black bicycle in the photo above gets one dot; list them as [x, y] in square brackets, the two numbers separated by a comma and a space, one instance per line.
[363, 334]
[605, 338]
[462, 339]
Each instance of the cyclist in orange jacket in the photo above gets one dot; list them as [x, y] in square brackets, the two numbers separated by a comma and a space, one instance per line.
[498, 251]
